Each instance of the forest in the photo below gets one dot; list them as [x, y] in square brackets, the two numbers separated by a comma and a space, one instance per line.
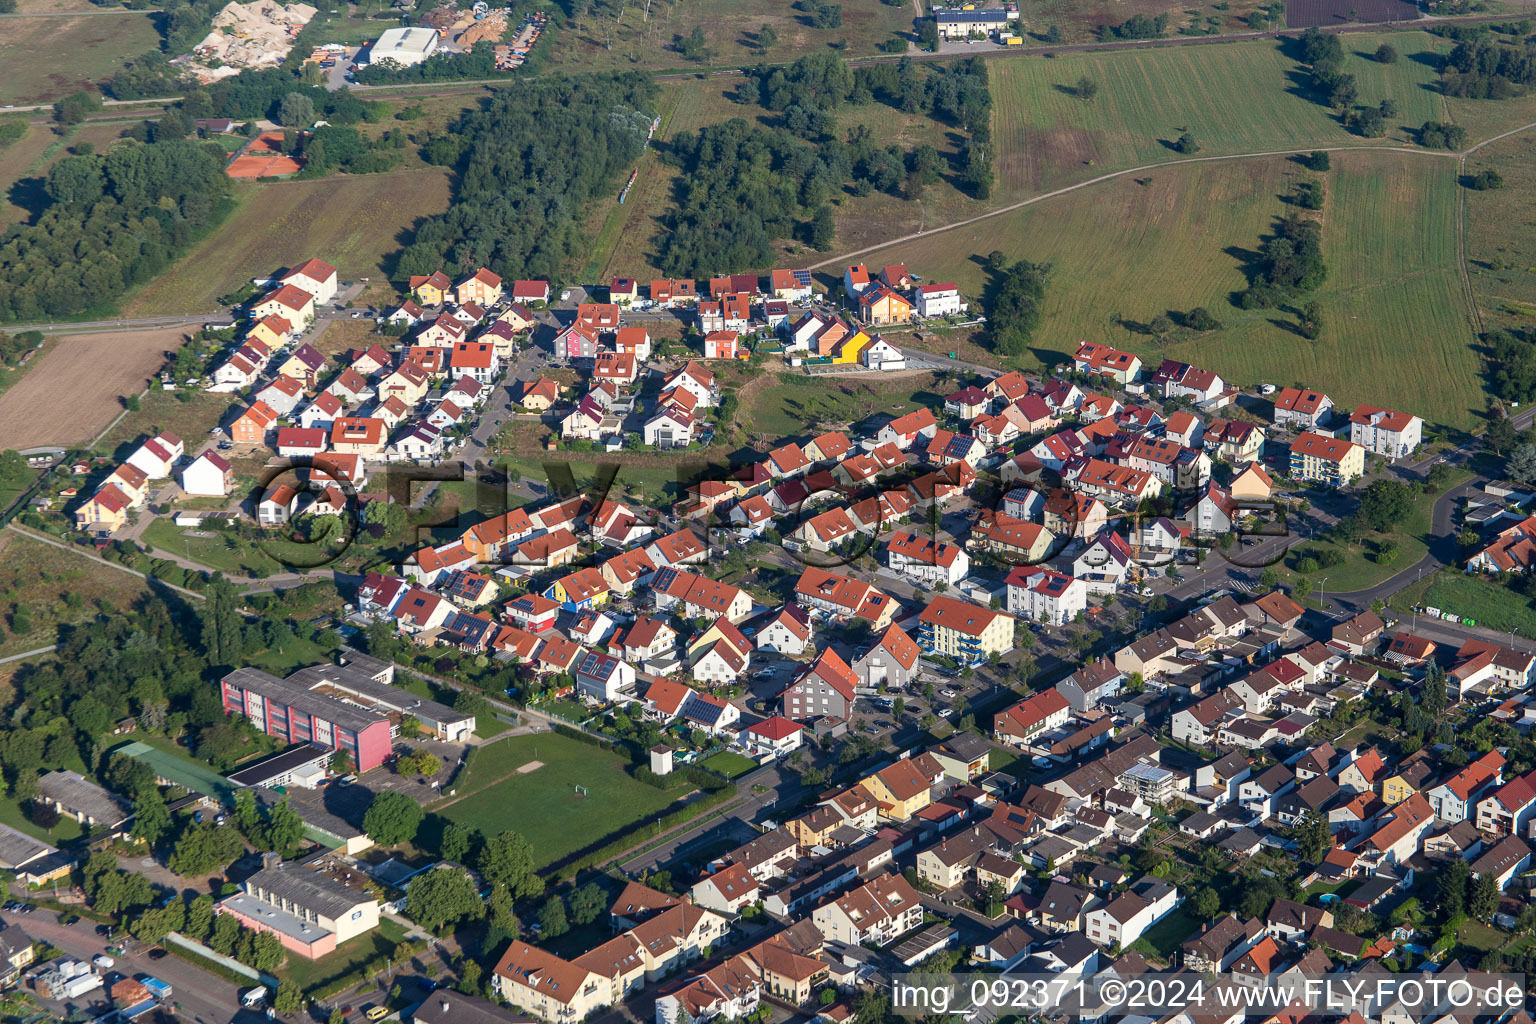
[113, 221]
[744, 188]
[1484, 69]
[527, 164]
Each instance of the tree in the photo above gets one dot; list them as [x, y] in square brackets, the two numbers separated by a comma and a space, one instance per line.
[1500, 436]
[296, 111]
[1015, 302]
[1054, 35]
[1085, 89]
[1187, 144]
[1451, 889]
[1386, 53]
[1483, 899]
[1317, 160]
[204, 848]
[1384, 504]
[441, 897]
[460, 842]
[1312, 837]
[289, 997]
[410, 725]
[392, 818]
[151, 819]
[1311, 321]
[552, 921]
[1206, 904]
[823, 228]
[285, 829]
[587, 903]
[341, 763]
[767, 38]
[1521, 464]
[507, 859]
[1482, 181]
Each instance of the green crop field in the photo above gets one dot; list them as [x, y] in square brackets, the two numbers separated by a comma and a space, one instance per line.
[47, 58]
[1399, 328]
[1501, 232]
[353, 222]
[1236, 98]
[542, 804]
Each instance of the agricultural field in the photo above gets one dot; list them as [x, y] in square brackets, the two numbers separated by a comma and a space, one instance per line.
[1238, 98]
[47, 58]
[1494, 605]
[1501, 232]
[1130, 249]
[61, 405]
[356, 223]
[643, 35]
[50, 588]
[502, 792]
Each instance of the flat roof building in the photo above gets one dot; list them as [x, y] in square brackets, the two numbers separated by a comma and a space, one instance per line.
[338, 707]
[404, 46]
[310, 912]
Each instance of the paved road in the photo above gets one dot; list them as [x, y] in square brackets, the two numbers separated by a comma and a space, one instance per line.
[24, 655]
[202, 996]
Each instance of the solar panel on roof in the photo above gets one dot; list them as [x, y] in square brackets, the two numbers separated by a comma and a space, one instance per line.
[802, 278]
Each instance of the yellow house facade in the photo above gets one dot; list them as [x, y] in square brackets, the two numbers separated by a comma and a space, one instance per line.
[848, 351]
[271, 331]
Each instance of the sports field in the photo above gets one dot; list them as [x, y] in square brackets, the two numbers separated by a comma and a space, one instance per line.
[354, 223]
[1399, 330]
[47, 58]
[1236, 98]
[542, 803]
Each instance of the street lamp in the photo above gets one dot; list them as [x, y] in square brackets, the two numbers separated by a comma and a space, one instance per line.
[1321, 590]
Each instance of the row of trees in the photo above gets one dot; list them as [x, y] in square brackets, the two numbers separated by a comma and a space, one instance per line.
[517, 208]
[112, 222]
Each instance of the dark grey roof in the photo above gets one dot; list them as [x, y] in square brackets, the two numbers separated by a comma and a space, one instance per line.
[449, 1007]
[308, 889]
[298, 696]
[18, 848]
[74, 792]
[277, 764]
[985, 15]
[363, 684]
[965, 746]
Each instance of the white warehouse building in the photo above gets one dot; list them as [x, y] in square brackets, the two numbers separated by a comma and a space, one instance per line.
[404, 46]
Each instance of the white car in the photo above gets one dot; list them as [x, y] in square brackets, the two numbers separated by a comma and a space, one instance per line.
[103, 961]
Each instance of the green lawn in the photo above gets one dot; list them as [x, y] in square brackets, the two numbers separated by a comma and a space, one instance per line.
[1481, 937]
[312, 974]
[1236, 98]
[11, 814]
[1489, 603]
[1359, 570]
[730, 765]
[1163, 938]
[542, 804]
[1398, 329]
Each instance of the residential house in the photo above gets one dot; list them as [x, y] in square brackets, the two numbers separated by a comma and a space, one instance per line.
[1039, 594]
[892, 661]
[1302, 408]
[1318, 458]
[825, 688]
[1384, 432]
[1102, 360]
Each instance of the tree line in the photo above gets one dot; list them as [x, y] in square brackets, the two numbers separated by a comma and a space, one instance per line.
[527, 164]
[113, 221]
